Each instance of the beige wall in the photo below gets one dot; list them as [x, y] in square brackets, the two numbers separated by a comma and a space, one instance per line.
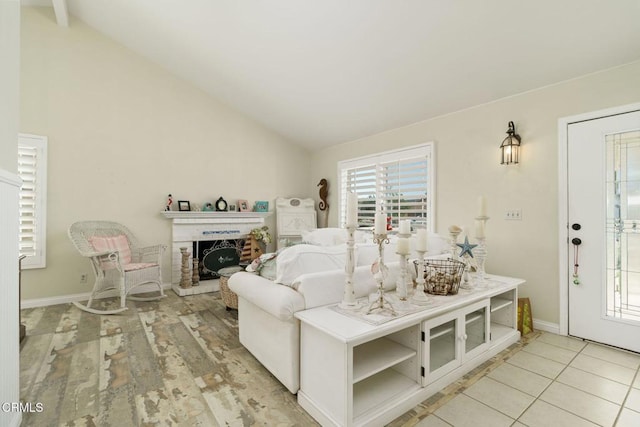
[9, 83]
[467, 166]
[123, 133]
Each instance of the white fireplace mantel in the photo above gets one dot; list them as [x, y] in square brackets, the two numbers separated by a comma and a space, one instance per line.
[214, 215]
[191, 226]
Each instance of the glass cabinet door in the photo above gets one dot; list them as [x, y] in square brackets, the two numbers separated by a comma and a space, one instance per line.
[476, 335]
[441, 347]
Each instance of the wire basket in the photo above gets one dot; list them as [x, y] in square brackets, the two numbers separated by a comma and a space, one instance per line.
[442, 276]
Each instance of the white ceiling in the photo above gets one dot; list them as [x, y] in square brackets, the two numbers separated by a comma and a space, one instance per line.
[327, 71]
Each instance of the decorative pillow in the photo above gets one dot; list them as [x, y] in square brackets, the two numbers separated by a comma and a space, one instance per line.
[264, 265]
[303, 258]
[115, 243]
[325, 236]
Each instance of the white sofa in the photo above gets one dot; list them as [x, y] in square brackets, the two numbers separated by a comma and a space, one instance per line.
[268, 328]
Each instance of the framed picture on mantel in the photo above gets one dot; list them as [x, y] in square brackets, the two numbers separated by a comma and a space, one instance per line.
[184, 205]
[262, 206]
[243, 206]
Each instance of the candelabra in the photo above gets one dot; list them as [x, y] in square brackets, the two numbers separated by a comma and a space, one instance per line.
[419, 297]
[349, 297]
[481, 250]
[381, 302]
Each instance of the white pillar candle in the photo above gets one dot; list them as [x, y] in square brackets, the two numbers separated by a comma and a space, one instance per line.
[421, 240]
[352, 209]
[480, 229]
[402, 246]
[482, 206]
[405, 226]
[380, 223]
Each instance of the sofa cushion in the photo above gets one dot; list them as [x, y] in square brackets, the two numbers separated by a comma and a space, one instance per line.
[301, 259]
[264, 265]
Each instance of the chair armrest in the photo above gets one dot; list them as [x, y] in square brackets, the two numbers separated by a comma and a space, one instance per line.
[148, 254]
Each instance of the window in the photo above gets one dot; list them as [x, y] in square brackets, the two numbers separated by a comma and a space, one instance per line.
[32, 169]
[401, 182]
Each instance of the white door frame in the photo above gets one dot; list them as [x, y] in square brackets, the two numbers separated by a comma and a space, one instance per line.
[563, 209]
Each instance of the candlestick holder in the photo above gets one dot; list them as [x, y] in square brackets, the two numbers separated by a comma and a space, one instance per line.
[466, 278]
[419, 297]
[349, 298]
[481, 253]
[401, 283]
[454, 232]
[381, 302]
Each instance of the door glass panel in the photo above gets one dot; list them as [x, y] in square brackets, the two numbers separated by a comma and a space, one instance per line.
[475, 329]
[442, 348]
[623, 226]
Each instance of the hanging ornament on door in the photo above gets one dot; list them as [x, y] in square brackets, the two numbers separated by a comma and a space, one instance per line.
[576, 244]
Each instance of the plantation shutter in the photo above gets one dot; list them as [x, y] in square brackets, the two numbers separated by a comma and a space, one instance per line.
[399, 181]
[32, 171]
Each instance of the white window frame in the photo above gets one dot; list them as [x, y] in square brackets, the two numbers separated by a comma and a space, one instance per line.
[39, 144]
[425, 150]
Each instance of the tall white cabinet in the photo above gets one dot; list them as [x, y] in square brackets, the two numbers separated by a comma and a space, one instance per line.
[354, 373]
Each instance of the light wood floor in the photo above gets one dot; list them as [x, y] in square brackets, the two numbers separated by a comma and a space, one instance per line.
[177, 361]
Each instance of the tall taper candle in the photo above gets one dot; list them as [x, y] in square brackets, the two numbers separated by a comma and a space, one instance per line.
[380, 223]
[352, 209]
[421, 240]
[482, 206]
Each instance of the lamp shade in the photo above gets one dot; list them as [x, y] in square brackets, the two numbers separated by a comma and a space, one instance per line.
[510, 147]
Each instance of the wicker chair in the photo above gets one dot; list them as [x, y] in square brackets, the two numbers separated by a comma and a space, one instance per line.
[117, 260]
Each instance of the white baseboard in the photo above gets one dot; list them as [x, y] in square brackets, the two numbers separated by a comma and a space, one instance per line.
[64, 299]
[541, 325]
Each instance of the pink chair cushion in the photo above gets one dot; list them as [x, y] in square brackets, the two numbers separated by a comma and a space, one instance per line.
[116, 243]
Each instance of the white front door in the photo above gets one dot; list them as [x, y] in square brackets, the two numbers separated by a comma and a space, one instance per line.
[603, 157]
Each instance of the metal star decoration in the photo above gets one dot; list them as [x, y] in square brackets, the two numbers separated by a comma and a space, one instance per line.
[466, 247]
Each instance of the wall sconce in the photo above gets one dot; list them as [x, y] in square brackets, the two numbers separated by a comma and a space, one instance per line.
[510, 147]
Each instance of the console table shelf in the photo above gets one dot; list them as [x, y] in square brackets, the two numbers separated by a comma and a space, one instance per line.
[375, 356]
[353, 373]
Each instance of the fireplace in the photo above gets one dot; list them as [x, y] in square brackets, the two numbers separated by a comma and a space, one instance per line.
[207, 231]
[214, 255]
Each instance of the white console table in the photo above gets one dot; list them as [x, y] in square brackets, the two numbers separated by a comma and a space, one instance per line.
[353, 373]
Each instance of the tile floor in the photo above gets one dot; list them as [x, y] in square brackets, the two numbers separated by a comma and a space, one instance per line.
[553, 381]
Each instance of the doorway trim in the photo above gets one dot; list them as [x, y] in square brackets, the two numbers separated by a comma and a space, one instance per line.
[563, 208]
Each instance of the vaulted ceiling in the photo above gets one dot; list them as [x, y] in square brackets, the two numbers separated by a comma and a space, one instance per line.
[322, 72]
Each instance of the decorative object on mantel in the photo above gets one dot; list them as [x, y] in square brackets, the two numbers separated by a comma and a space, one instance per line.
[208, 207]
[261, 206]
[185, 280]
[169, 203]
[510, 147]
[195, 278]
[243, 206]
[184, 205]
[378, 268]
[221, 205]
[323, 218]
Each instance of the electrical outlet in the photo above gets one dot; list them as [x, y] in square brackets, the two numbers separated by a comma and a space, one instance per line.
[83, 278]
[513, 214]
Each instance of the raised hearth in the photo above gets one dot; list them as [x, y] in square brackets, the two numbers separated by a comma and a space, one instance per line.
[190, 227]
